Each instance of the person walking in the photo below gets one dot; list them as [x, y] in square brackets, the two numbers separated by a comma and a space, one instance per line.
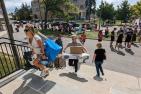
[74, 62]
[134, 38]
[98, 58]
[119, 39]
[83, 38]
[128, 38]
[106, 32]
[100, 36]
[139, 35]
[112, 37]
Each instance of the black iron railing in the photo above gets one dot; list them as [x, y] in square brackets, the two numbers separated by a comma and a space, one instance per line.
[8, 61]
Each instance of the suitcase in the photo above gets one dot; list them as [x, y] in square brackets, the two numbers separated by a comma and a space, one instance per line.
[59, 62]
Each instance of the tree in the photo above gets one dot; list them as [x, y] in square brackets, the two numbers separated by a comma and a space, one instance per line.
[90, 8]
[136, 9]
[57, 7]
[123, 11]
[23, 13]
[106, 11]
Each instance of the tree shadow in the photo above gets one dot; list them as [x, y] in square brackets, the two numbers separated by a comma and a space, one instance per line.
[35, 84]
[97, 78]
[73, 76]
[129, 51]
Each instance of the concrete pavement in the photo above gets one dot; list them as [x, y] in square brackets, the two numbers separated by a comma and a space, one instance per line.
[3, 33]
[64, 82]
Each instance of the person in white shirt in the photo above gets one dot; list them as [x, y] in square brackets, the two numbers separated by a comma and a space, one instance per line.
[37, 47]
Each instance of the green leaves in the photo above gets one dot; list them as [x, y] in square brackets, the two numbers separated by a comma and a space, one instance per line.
[59, 8]
[123, 11]
[90, 7]
[136, 9]
[23, 13]
[106, 11]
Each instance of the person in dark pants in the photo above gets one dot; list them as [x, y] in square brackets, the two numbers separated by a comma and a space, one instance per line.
[74, 62]
[112, 37]
[119, 39]
[59, 42]
[128, 38]
[98, 58]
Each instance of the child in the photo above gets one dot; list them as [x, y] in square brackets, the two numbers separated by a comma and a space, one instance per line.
[100, 36]
[59, 41]
[83, 38]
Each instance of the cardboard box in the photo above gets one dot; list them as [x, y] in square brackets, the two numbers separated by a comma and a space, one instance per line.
[76, 50]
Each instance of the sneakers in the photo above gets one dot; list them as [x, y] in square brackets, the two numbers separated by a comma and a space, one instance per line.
[44, 73]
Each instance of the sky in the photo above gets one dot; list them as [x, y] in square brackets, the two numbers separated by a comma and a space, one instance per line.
[11, 4]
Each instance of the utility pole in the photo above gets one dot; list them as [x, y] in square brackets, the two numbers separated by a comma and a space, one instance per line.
[10, 33]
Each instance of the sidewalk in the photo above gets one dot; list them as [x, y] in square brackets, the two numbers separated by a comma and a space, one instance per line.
[3, 33]
[63, 82]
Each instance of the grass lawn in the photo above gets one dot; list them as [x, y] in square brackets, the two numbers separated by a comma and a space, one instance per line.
[7, 64]
[91, 35]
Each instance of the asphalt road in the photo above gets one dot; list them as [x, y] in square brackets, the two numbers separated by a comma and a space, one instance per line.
[123, 62]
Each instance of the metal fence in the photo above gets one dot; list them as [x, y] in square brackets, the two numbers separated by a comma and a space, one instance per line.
[10, 63]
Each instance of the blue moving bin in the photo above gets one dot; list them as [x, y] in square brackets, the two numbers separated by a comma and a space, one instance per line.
[51, 49]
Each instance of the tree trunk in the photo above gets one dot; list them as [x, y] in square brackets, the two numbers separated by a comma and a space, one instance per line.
[46, 14]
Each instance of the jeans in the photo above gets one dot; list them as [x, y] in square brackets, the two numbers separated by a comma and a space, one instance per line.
[74, 62]
[98, 65]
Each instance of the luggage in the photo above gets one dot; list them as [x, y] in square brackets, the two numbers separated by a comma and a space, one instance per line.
[51, 49]
[28, 57]
[59, 62]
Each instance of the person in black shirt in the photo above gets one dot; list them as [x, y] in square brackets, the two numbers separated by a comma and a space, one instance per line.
[112, 37]
[128, 38]
[98, 58]
[119, 39]
[59, 42]
[134, 37]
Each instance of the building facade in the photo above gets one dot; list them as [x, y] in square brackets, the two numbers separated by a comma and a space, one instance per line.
[82, 8]
[38, 9]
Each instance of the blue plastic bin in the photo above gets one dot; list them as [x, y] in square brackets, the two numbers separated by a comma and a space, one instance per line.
[51, 49]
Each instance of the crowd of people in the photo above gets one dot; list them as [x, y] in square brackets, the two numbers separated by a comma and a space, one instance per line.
[127, 34]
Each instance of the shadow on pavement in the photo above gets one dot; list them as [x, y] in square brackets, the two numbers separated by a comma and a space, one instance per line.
[98, 78]
[116, 51]
[121, 53]
[73, 76]
[135, 45]
[113, 49]
[129, 51]
[34, 85]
